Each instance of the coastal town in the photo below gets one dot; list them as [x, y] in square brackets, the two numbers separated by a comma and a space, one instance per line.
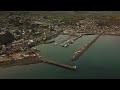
[19, 33]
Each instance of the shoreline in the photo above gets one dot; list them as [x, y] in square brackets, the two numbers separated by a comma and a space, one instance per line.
[20, 62]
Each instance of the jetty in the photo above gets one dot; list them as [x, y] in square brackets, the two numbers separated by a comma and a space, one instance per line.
[84, 48]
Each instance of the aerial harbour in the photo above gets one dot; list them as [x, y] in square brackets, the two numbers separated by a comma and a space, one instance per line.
[59, 44]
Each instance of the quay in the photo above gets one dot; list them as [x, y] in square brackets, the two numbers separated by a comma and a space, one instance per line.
[68, 41]
[47, 42]
[57, 43]
[84, 48]
[89, 34]
[70, 34]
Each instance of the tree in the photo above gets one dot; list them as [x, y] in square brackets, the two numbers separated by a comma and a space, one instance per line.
[6, 38]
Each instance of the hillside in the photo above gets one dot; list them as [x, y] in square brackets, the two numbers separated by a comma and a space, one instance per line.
[65, 13]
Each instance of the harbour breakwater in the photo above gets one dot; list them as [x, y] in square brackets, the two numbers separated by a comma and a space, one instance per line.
[60, 65]
[84, 48]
